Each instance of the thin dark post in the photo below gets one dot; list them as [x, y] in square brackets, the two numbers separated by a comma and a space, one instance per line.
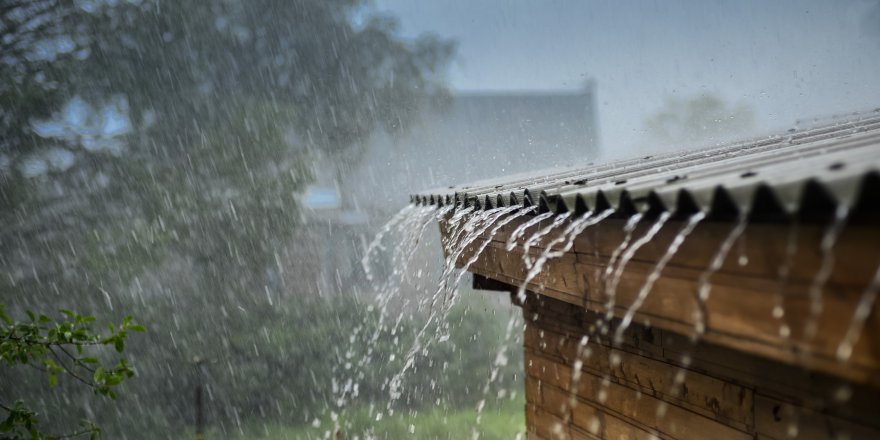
[200, 415]
[200, 406]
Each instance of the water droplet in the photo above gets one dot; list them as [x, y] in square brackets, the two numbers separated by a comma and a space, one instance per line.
[615, 360]
[661, 409]
[784, 331]
[843, 393]
[595, 425]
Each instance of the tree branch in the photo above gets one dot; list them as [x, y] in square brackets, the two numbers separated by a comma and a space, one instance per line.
[69, 371]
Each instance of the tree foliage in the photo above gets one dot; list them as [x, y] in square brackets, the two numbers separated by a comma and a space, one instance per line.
[68, 347]
[700, 118]
[150, 157]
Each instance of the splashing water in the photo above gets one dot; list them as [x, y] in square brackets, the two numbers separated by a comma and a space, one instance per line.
[857, 323]
[498, 225]
[407, 230]
[826, 247]
[537, 236]
[376, 244]
[704, 287]
[455, 227]
[582, 354]
[407, 227]
[466, 233]
[521, 229]
[498, 221]
[576, 228]
[631, 252]
[567, 237]
[602, 390]
[500, 361]
[683, 233]
[490, 219]
[701, 295]
[410, 230]
[628, 229]
[778, 312]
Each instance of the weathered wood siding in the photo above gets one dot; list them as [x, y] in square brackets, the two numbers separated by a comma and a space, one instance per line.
[630, 391]
[744, 291]
[755, 374]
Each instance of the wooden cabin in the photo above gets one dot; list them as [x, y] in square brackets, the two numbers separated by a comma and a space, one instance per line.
[762, 324]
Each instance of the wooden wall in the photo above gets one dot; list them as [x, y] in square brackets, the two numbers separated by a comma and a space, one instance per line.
[630, 391]
[744, 291]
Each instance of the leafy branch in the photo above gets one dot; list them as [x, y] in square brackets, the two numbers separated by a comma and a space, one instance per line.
[61, 348]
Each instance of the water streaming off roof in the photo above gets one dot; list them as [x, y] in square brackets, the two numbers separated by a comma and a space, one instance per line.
[234, 174]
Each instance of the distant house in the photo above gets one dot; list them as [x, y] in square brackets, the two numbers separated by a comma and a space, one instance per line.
[481, 135]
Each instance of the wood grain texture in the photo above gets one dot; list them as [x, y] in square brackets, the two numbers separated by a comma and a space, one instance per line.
[629, 390]
[745, 291]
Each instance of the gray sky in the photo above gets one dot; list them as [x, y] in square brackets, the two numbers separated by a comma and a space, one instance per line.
[785, 59]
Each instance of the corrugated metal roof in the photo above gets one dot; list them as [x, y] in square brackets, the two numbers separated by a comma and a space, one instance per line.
[804, 174]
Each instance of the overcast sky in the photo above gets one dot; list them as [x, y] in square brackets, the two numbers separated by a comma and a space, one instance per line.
[785, 59]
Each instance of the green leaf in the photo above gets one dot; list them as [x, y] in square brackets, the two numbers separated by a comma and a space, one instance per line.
[53, 380]
[4, 316]
[137, 328]
[44, 319]
[119, 344]
[98, 377]
[89, 360]
[31, 315]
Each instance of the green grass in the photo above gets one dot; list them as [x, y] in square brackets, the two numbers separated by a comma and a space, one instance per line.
[503, 421]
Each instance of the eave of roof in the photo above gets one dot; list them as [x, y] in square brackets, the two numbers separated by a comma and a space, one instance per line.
[799, 174]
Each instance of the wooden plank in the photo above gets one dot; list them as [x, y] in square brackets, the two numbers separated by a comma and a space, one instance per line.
[675, 421]
[547, 371]
[706, 395]
[636, 339]
[722, 384]
[788, 382]
[557, 332]
[594, 421]
[533, 390]
[739, 313]
[765, 246]
[743, 307]
[557, 401]
[579, 434]
[545, 424]
[779, 420]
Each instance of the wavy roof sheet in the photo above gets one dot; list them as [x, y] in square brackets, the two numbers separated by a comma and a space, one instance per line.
[804, 174]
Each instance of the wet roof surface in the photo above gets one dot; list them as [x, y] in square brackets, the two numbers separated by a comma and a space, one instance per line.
[798, 174]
